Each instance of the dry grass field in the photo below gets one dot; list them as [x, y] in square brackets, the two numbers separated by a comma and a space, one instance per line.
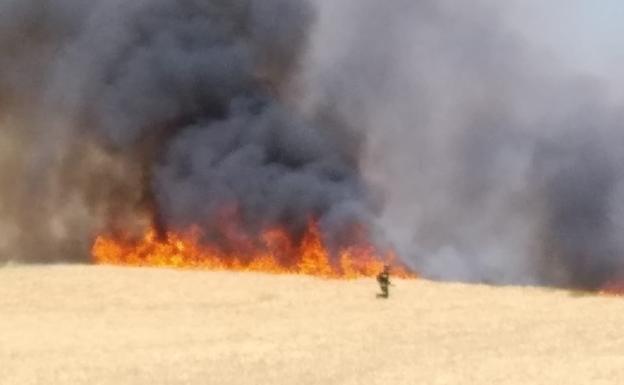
[103, 325]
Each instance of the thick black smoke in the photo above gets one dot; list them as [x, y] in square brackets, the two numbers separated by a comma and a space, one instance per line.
[178, 109]
[496, 162]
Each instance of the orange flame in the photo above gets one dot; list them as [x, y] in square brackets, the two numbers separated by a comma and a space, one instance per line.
[613, 288]
[277, 253]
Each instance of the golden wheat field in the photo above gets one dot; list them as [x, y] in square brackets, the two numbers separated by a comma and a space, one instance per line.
[103, 325]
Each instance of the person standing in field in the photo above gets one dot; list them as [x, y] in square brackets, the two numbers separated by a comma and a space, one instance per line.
[383, 279]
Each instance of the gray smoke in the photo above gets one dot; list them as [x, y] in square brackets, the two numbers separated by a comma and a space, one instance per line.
[498, 163]
[493, 161]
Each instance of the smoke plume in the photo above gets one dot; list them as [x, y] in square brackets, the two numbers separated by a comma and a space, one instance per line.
[498, 163]
[176, 110]
[430, 122]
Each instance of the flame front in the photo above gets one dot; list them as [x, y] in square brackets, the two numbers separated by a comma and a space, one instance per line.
[275, 252]
[613, 288]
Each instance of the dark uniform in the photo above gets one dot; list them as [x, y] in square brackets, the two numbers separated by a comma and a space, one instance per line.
[383, 279]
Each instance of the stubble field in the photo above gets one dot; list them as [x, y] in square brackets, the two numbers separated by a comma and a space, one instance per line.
[103, 325]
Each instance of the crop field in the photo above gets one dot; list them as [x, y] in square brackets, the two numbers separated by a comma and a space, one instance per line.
[104, 325]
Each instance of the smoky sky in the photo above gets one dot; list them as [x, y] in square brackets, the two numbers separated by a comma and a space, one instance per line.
[432, 123]
[497, 163]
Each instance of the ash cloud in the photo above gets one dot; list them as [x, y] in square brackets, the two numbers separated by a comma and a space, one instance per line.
[434, 123]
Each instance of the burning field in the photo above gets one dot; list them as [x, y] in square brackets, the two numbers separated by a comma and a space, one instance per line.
[223, 179]
[179, 139]
[276, 252]
[314, 137]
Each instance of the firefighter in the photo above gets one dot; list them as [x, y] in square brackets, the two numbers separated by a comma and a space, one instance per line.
[383, 279]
